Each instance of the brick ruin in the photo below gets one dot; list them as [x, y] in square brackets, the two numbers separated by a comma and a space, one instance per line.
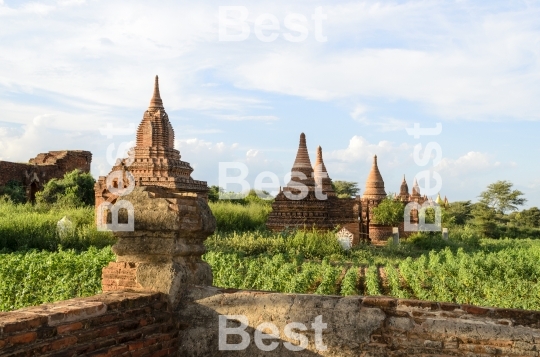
[44, 167]
[168, 210]
[325, 211]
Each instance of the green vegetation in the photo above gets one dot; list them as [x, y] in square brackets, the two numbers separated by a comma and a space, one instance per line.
[389, 212]
[75, 189]
[248, 213]
[32, 278]
[464, 269]
[345, 189]
[37, 264]
[14, 192]
[26, 226]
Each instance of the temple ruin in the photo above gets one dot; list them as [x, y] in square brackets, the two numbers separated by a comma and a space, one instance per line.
[44, 167]
[309, 201]
[166, 213]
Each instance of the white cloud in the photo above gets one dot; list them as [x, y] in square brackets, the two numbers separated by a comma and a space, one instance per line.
[266, 118]
[471, 162]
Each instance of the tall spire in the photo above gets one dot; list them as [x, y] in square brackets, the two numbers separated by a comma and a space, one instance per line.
[374, 183]
[404, 189]
[302, 164]
[321, 174]
[416, 189]
[156, 101]
[319, 163]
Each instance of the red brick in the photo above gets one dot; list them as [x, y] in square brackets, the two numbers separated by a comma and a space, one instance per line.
[2, 343]
[63, 343]
[474, 310]
[108, 331]
[117, 351]
[379, 301]
[160, 353]
[68, 328]
[23, 338]
[136, 345]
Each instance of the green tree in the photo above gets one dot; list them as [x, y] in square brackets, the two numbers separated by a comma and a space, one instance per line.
[389, 212]
[345, 189]
[76, 189]
[213, 193]
[13, 191]
[501, 197]
[485, 219]
[458, 212]
[527, 218]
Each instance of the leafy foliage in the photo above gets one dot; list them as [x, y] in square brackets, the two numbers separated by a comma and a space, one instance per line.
[75, 189]
[389, 212]
[33, 278]
[231, 216]
[345, 189]
[13, 191]
[500, 197]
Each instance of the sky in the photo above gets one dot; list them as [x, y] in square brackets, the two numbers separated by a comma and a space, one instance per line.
[353, 76]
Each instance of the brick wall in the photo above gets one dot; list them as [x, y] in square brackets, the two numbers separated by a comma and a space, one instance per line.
[110, 324]
[359, 326]
[12, 171]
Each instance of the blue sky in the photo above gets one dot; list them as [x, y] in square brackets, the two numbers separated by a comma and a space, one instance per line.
[71, 67]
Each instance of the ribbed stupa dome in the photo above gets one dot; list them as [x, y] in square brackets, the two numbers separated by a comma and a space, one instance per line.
[155, 129]
[374, 183]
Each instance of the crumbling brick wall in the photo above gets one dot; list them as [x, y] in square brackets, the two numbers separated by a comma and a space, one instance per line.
[110, 324]
[44, 167]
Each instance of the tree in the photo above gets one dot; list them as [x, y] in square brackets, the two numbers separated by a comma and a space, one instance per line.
[526, 218]
[485, 219]
[501, 197]
[76, 188]
[213, 193]
[389, 212]
[345, 189]
[13, 191]
[458, 212]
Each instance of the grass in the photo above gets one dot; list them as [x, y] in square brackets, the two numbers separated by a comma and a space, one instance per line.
[235, 217]
[26, 226]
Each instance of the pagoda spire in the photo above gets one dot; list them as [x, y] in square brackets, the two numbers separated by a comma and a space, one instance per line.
[321, 174]
[374, 182]
[302, 163]
[156, 101]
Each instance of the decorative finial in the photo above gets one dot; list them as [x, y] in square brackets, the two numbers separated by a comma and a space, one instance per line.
[156, 101]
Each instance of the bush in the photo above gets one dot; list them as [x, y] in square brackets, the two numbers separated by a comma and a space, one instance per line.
[75, 189]
[389, 212]
[13, 191]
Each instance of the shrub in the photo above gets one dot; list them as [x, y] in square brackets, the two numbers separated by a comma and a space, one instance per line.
[13, 191]
[75, 189]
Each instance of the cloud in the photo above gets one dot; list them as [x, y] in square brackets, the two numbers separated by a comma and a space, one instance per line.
[471, 162]
[266, 118]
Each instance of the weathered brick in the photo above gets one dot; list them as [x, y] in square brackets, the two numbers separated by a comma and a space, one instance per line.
[23, 338]
[63, 329]
[63, 343]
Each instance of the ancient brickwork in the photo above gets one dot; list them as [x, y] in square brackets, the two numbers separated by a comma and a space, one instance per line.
[153, 161]
[169, 214]
[319, 208]
[110, 324]
[361, 326]
[44, 167]
[325, 211]
[145, 324]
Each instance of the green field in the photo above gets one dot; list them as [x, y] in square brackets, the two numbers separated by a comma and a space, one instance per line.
[37, 265]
